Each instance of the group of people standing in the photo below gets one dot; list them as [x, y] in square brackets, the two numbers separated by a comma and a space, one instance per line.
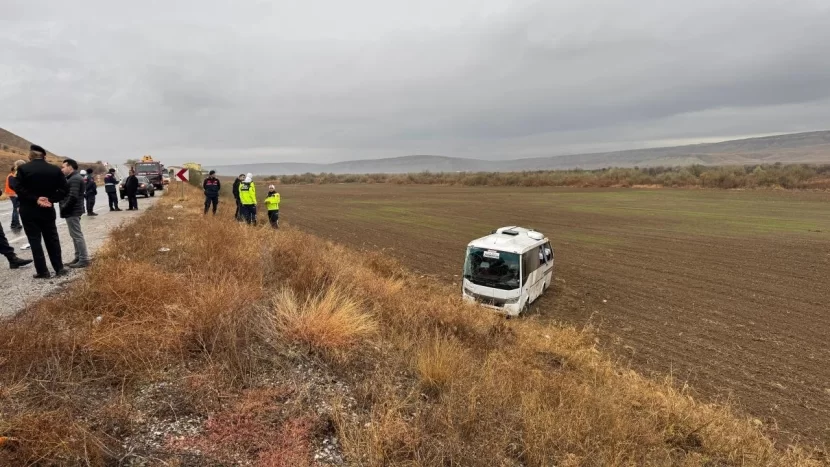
[130, 189]
[244, 192]
[35, 187]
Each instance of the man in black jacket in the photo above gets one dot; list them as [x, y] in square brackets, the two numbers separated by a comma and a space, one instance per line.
[40, 185]
[90, 192]
[111, 187]
[211, 185]
[72, 208]
[131, 190]
[238, 215]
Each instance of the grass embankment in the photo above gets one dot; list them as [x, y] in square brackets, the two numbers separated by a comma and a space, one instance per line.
[788, 176]
[246, 345]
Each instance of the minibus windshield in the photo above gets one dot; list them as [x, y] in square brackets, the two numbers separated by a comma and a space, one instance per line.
[492, 268]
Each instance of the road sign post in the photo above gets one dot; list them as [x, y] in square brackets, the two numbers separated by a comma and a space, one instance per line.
[182, 176]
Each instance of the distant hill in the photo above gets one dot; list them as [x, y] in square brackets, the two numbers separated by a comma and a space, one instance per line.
[812, 147]
[13, 148]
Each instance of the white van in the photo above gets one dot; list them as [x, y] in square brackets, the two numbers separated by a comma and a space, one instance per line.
[508, 269]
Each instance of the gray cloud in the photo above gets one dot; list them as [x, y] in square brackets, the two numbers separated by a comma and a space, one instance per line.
[323, 81]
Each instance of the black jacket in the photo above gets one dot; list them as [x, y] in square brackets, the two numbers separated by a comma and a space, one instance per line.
[131, 185]
[40, 179]
[212, 187]
[91, 188]
[110, 183]
[73, 204]
[236, 189]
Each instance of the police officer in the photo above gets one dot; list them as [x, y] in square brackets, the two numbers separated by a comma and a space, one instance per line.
[111, 187]
[272, 203]
[247, 197]
[211, 185]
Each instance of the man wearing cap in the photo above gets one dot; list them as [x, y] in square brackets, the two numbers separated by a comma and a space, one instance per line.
[211, 185]
[39, 186]
[111, 187]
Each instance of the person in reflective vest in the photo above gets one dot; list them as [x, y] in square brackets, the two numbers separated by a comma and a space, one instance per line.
[111, 187]
[11, 181]
[272, 203]
[247, 196]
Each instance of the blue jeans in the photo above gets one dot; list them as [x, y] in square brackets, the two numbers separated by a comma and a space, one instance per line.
[15, 212]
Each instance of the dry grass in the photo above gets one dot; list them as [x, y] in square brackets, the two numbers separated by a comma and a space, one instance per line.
[233, 315]
[331, 322]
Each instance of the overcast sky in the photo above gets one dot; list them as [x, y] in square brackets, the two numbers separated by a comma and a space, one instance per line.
[221, 82]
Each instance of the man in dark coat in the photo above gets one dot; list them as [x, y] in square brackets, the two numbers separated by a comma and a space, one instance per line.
[131, 190]
[235, 189]
[40, 185]
[90, 192]
[111, 187]
[72, 208]
[212, 186]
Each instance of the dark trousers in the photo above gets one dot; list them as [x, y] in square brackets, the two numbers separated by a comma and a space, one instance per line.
[132, 200]
[39, 224]
[238, 216]
[90, 203]
[5, 249]
[15, 212]
[211, 200]
[249, 213]
[113, 199]
[274, 218]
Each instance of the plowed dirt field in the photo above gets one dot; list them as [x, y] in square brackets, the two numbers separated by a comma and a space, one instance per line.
[728, 291]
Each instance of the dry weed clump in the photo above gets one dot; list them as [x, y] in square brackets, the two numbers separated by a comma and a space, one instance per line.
[435, 381]
[331, 322]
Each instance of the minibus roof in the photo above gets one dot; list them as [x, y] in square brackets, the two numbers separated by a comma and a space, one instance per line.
[511, 239]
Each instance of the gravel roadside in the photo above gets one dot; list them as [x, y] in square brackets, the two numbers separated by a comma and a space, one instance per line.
[18, 288]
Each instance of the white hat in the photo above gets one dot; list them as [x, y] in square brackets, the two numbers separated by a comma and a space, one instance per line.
[83, 172]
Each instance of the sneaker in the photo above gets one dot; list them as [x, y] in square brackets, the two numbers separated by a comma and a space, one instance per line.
[79, 265]
[93, 214]
[71, 262]
[17, 262]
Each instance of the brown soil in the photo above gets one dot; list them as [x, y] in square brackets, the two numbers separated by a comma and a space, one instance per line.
[736, 317]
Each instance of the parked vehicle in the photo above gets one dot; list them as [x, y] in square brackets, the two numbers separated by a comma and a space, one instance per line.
[508, 269]
[153, 170]
[165, 178]
[144, 187]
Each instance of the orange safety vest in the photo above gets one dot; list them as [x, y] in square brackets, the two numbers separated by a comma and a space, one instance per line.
[8, 189]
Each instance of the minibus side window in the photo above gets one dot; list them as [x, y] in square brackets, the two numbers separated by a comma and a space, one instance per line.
[530, 263]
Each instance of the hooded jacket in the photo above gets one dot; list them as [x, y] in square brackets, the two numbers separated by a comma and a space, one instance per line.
[247, 191]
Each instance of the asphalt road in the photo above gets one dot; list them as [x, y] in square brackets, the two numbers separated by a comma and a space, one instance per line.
[18, 288]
